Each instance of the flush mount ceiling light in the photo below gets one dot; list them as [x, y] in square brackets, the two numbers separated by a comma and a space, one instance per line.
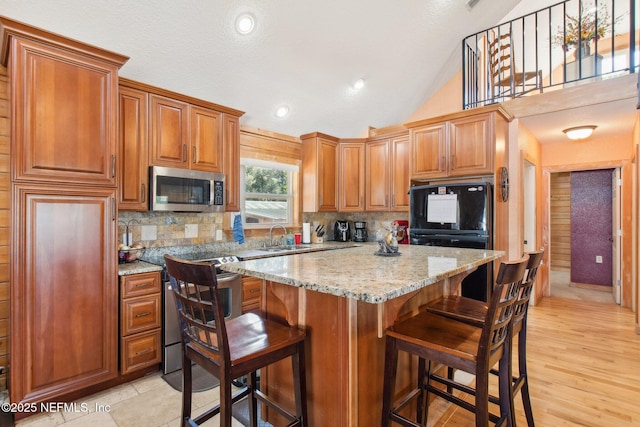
[282, 111]
[358, 84]
[579, 132]
[245, 23]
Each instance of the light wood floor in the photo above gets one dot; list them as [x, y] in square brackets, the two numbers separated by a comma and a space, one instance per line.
[584, 367]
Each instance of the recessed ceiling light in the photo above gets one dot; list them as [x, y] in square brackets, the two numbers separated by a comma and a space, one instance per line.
[579, 132]
[245, 23]
[282, 111]
[358, 84]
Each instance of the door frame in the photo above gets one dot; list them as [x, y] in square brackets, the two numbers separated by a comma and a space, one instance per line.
[617, 213]
[529, 214]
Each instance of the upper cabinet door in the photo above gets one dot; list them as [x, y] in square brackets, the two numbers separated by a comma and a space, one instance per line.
[319, 173]
[65, 115]
[206, 139]
[231, 150]
[328, 179]
[134, 150]
[399, 175]
[377, 182]
[471, 145]
[429, 151]
[351, 170]
[169, 132]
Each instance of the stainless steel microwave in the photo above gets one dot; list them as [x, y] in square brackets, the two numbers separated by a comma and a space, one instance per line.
[184, 190]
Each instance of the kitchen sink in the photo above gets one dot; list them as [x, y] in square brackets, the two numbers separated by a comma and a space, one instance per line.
[283, 248]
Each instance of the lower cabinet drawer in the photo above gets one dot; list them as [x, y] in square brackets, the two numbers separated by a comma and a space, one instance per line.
[140, 314]
[251, 293]
[139, 351]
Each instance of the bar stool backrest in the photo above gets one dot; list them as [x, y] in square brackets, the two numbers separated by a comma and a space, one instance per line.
[196, 290]
[500, 311]
[522, 303]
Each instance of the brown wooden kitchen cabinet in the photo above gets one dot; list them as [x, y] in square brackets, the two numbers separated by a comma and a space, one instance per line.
[459, 144]
[64, 309]
[175, 130]
[65, 105]
[319, 173]
[387, 173]
[351, 181]
[231, 152]
[184, 135]
[133, 187]
[140, 321]
[169, 132]
[64, 293]
[206, 141]
[251, 294]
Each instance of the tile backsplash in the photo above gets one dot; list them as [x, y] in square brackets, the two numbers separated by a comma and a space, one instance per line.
[160, 229]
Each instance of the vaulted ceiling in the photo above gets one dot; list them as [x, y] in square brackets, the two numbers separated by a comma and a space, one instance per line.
[303, 54]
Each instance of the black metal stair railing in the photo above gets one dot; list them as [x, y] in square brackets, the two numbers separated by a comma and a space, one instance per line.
[558, 46]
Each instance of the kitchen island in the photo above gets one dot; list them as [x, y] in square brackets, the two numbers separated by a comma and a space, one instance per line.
[345, 299]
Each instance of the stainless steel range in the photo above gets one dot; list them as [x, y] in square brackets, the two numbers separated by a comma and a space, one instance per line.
[230, 287]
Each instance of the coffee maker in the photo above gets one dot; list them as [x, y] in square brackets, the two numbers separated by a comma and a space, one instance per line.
[360, 231]
[342, 231]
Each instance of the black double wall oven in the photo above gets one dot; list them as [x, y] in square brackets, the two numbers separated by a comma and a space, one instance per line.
[456, 215]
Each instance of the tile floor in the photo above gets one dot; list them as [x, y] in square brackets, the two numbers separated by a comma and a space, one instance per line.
[146, 402]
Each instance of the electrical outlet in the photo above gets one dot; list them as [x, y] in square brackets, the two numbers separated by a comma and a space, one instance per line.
[218, 234]
[190, 231]
[598, 259]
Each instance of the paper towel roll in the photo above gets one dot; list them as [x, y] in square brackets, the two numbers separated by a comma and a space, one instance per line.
[306, 232]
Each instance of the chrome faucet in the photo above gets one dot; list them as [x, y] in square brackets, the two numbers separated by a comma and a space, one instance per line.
[271, 231]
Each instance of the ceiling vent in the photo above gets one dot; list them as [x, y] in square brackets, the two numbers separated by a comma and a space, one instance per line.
[471, 3]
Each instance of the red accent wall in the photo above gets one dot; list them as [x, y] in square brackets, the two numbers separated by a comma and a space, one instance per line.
[591, 226]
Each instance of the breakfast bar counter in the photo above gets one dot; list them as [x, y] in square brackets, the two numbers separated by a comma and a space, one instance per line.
[345, 299]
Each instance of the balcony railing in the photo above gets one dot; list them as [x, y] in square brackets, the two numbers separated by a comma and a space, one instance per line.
[561, 45]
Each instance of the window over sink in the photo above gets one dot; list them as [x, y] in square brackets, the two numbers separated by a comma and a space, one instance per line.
[267, 192]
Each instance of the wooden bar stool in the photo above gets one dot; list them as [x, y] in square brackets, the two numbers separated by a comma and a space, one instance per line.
[474, 312]
[232, 348]
[441, 340]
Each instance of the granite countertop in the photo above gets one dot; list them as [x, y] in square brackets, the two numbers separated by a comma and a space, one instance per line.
[357, 273]
[136, 268]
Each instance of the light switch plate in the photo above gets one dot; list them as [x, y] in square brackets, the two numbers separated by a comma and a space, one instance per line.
[190, 230]
[218, 234]
[598, 259]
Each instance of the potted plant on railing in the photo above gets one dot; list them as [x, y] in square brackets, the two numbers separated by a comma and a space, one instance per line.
[579, 33]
